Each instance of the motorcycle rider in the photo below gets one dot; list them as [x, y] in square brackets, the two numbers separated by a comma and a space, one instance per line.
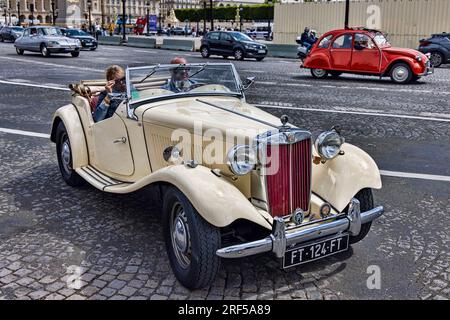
[307, 39]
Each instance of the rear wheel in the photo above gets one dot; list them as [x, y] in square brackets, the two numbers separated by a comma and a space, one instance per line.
[365, 198]
[75, 54]
[191, 241]
[44, 51]
[436, 59]
[64, 154]
[19, 51]
[319, 73]
[238, 54]
[205, 52]
[401, 73]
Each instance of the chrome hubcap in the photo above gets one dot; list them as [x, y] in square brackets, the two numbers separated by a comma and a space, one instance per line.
[205, 52]
[238, 54]
[44, 51]
[179, 230]
[400, 74]
[66, 156]
[319, 72]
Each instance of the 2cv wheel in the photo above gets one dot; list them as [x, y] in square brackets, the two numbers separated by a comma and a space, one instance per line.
[319, 73]
[191, 242]
[365, 198]
[64, 153]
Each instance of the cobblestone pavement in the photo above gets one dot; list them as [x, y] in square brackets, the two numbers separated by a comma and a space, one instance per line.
[58, 242]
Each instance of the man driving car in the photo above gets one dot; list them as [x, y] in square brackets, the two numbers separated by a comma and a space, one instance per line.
[179, 81]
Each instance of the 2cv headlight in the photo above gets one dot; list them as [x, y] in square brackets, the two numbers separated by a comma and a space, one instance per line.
[241, 159]
[328, 144]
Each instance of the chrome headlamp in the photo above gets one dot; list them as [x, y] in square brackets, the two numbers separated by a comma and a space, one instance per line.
[241, 159]
[418, 58]
[328, 144]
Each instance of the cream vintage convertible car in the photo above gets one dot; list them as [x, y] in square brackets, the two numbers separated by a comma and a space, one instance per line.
[235, 181]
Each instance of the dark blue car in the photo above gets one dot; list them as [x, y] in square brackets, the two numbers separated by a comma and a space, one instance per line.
[438, 46]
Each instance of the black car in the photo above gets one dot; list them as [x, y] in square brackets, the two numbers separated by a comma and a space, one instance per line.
[438, 46]
[87, 41]
[10, 33]
[232, 43]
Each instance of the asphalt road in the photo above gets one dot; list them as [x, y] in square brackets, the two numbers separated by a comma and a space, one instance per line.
[50, 232]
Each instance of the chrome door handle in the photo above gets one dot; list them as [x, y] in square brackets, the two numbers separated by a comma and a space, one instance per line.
[123, 140]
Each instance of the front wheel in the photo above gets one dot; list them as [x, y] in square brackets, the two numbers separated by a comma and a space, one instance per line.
[75, 54]
[19, 51]
[239, 54]
[44, 51]
[319, 73]
[191, 241]
[205, 52]
[64, 154]
[401, 73]
[365, 198]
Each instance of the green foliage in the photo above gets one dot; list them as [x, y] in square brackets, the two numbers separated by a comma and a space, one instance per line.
[255, 12]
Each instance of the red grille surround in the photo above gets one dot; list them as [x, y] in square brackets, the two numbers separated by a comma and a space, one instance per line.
[289, 187]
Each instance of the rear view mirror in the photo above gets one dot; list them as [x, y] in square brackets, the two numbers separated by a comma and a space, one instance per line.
[248, 82]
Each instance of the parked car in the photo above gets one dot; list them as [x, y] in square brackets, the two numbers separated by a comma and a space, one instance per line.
[438, 46]
[234, 181]
[10, 33]
[237, 44]
[367, 52]
[180, 31]
[261, 31]
[87, 41]
[46, 40]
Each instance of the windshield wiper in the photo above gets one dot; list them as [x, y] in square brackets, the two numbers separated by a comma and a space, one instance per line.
[150, 74]
[195, 73]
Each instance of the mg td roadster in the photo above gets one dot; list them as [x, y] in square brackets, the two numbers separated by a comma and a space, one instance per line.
[234, 181]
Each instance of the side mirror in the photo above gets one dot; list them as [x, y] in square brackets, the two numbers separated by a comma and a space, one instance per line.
[247, 83]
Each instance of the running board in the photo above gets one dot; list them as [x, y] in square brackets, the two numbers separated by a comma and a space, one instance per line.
[100, 180]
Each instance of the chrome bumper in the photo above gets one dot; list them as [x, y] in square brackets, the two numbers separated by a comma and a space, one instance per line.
[281, 238]
[428, 71]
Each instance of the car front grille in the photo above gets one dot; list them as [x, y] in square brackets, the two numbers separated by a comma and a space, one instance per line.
[289, 187]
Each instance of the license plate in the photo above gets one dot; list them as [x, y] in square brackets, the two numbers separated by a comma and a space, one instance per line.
[314, 251]
[261, 51]
[89, 44]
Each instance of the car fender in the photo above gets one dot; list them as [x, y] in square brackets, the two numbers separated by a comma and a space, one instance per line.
[317, 60]
[216, 199]
[434, 47]
[71, 119]
[413, 64]
[338, 180]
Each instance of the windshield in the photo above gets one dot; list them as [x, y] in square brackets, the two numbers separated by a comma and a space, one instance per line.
[240, 36]
[145, 83]
[381, 40]
[77, 33]
[18, 29]
[52, 32]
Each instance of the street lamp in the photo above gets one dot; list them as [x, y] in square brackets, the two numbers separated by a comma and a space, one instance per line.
[53, 11]
[5, 8]
[147, 5]
[32, 13]
[212, 14]
[18, 12]
[89, 4]
[347, 13]
[124, 18]
[204, 17]
[240, 17]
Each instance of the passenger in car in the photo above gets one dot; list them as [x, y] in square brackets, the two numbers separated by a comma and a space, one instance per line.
[113, 94]
[179, 81]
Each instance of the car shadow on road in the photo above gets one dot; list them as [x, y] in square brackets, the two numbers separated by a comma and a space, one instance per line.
[361, 80]
[110, 230]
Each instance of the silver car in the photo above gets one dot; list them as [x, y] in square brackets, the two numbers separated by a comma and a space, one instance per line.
[46, 40]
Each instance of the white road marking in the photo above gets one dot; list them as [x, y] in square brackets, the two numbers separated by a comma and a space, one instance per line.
[411, 175]
[330, 86]
[52, 64]
[146, 51]
[388, 173]
[112, 49]
[25, 133]
[34, 85]
[378, 114]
